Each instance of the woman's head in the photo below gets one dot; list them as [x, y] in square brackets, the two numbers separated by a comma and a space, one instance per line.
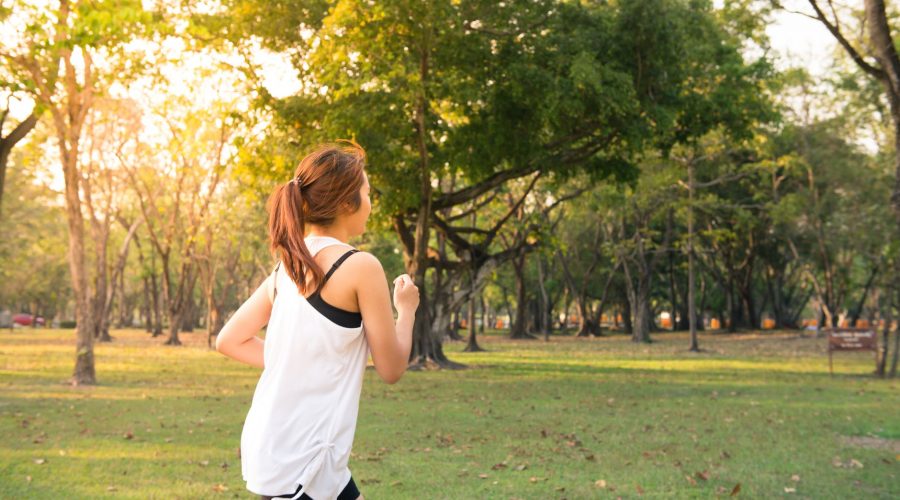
[329, 188]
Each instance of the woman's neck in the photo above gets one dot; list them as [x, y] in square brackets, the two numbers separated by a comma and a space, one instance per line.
[330, 232]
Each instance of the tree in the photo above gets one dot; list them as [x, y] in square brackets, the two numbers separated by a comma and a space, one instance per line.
[32, 269]
[7, 141]
[879, 46]
[54, 57]
[175, 194]
[438, 89]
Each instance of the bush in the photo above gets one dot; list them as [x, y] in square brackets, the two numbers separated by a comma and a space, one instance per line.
[67, 324]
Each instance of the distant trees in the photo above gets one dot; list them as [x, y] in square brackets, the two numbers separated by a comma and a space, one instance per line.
[629, 164]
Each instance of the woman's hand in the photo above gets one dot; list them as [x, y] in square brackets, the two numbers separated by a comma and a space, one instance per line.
[406, 295]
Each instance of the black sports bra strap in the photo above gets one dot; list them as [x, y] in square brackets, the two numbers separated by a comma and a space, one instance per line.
[337, 264]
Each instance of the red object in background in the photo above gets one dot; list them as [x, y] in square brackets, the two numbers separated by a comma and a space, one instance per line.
[26, 319]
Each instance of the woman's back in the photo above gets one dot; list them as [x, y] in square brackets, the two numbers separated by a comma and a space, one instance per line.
[300, 426]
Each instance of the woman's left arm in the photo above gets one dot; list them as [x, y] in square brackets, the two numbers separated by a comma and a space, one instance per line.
[238, 339]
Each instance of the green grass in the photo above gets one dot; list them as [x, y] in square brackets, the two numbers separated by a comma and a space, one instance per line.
[528, 419]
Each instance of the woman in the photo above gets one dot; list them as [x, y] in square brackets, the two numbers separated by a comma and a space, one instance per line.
[299, 430]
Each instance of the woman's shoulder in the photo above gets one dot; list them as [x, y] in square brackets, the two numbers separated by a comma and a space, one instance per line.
[364, 261]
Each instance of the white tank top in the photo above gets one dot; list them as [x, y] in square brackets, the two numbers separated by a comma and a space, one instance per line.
[299, 430]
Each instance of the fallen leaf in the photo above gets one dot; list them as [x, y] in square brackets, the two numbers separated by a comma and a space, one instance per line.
[28, 479]
[483, 476]
[128, 435]
[795, 478]
[736, 490]
[690, 480]
[219, 488]
[396, 483]
[533, 479]
[855, 464]
[40, 461]
[702, 475]
[600, 483]
[640, 491]
[204, 463]
[521, 467]
[790, 490]
[111, 488]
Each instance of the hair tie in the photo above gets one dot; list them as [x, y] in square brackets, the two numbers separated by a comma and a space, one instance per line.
[296, 181]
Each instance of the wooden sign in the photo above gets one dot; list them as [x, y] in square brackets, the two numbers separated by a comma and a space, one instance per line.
[851, 339]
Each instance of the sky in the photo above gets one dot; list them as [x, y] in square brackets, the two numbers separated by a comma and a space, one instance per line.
[801, 41]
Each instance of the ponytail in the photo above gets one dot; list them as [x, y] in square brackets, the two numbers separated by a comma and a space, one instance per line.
[326, 182]
[286, 236]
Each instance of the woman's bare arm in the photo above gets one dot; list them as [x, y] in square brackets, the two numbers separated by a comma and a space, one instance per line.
[389, 342]
[238, 339]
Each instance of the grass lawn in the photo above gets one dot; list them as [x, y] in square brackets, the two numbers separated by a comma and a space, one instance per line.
[573, 418]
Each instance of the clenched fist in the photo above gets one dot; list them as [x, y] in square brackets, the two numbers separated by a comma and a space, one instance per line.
[406, 294]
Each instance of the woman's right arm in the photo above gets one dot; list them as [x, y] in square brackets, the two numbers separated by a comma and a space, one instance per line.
[239, 337]
[389, 342]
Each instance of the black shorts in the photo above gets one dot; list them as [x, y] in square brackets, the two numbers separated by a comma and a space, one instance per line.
[350, 492]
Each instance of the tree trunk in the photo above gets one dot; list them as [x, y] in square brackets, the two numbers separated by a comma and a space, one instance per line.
[642, 320]
[857, 311]
[544, 323]
[518, 329]
[188, 320]
[157, 328]
[175, 318]
[628, 324]
[472, 343]
[84, 372]
[881, 359]
[885, 50]
[638, 293]
[484, 316]
[212, 316]
[692, 305]
[7, 143]
[734, 309]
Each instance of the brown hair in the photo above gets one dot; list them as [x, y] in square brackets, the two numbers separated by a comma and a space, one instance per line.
[326, 181]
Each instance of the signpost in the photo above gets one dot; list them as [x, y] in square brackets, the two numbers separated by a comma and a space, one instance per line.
[851, 339]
